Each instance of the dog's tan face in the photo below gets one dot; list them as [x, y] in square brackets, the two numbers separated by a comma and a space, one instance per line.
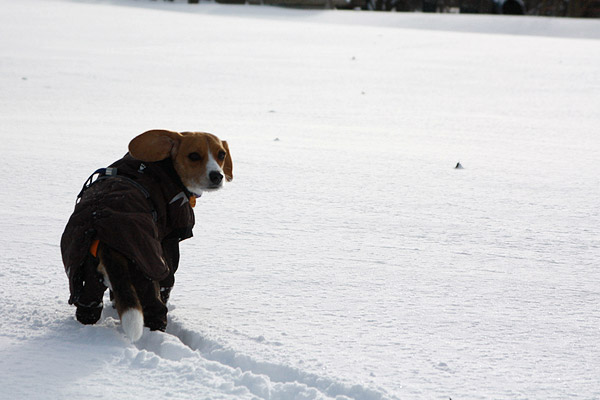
[200, 159]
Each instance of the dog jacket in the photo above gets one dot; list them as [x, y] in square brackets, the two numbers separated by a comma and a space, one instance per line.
[140, 209]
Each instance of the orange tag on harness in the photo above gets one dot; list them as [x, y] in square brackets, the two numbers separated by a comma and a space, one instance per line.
[94, 248]
[192, 201]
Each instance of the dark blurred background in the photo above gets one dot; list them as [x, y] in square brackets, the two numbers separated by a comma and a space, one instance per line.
[550, 8]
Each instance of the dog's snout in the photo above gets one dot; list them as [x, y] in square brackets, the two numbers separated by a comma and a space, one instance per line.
[215, 177]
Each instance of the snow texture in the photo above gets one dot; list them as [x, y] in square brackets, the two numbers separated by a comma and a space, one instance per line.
[349, 258]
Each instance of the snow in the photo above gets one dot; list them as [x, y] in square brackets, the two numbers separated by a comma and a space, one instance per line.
[348, 258]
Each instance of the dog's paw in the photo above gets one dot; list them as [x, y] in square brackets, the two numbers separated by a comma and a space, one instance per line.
[88, 315]
[156, 324]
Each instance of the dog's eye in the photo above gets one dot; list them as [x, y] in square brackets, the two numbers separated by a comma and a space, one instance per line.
[194, 156]
[221, 155]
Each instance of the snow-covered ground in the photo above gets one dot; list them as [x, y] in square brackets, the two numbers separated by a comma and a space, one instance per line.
[348, 257]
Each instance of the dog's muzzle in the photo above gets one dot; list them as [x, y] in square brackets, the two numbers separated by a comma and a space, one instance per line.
[215, 178]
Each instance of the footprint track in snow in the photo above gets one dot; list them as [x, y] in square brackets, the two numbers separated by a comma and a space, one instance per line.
[241, 372]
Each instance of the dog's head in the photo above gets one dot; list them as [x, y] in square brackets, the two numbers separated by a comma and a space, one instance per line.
[200, 159]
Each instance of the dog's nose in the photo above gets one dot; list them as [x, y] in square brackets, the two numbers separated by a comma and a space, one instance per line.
[215, 177]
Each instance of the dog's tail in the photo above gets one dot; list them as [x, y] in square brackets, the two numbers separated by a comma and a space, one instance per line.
[115, 267]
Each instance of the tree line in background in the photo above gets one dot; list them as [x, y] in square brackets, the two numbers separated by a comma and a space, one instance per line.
[565, 8]
[553, 8]
[550, 8]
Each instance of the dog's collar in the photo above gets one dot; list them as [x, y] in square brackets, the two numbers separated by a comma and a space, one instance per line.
[185, 197]
[192, 196]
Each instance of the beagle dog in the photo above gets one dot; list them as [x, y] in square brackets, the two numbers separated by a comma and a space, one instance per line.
[125, 231]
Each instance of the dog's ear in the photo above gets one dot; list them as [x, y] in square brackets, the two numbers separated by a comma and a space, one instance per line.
[228, 167]
[155, 145]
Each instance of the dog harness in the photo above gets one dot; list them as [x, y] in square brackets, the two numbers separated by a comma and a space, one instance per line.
[105, 173]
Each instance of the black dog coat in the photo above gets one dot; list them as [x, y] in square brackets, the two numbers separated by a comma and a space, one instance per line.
[139, 209]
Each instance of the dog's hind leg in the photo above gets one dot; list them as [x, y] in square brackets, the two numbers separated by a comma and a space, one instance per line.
[115, 266]
[89, 302]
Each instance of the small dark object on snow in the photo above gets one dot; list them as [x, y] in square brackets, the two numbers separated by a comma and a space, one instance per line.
[458, 166]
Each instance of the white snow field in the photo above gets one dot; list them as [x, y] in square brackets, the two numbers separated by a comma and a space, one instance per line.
[348, 258]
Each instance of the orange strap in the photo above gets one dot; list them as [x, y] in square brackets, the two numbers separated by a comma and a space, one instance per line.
[192, 201]
[94, 248]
